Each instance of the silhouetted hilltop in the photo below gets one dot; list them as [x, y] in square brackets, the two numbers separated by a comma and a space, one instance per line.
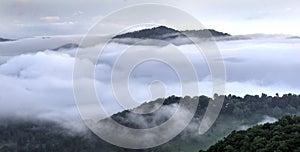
[165, 33]
[5, 40]
[67, 46]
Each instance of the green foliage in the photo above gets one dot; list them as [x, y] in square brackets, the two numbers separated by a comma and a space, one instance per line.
[236, 111]
[283, 135]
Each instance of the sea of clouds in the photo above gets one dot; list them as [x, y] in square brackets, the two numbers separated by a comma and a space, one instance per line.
[37, 82]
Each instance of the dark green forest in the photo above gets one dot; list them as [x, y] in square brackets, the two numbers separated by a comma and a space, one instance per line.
[236, 114]
[281, 136]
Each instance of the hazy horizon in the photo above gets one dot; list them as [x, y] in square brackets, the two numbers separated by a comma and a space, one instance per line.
[27, 18]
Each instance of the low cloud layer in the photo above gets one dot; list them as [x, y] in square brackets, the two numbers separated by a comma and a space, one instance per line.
[39, 84]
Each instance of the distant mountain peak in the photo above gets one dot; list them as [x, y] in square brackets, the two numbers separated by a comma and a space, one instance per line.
[66, 46]
[5, 40]
[151, 33]
[163, 28]
[165, 33]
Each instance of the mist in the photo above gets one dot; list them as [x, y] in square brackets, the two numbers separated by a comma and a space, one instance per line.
[37, 84]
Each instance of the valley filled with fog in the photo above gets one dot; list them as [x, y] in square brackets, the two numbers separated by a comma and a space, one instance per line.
[36, 73]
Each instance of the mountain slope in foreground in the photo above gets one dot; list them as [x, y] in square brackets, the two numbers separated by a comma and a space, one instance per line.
[283, 135]
[237, 113]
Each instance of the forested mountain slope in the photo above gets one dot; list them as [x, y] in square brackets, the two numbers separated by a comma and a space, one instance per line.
[237, 113]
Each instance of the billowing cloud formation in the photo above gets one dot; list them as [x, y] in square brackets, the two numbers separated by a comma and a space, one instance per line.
[36, 83]
[39, 84]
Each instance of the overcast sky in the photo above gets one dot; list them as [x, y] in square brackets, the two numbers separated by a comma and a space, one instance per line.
[26, 18]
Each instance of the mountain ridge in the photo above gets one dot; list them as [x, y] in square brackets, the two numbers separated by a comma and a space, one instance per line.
[236, 111]
[5, 40]
[166, 33]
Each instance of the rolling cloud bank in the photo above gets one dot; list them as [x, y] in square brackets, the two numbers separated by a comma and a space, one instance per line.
[37, 83]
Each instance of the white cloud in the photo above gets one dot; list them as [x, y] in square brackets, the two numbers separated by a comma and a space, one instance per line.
[39, 84]
[50, 18]
[231, 16]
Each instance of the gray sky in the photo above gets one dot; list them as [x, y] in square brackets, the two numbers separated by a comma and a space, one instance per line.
[25, 18]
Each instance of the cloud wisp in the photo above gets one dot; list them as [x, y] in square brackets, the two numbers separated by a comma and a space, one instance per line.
[39, 84]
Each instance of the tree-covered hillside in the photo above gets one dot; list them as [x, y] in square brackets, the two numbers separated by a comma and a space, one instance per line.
[281, 136]
[237, 113]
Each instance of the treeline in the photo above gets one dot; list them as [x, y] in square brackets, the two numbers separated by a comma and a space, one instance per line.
[283, 135]
[236, 111]
[267, 105]
[252, 107]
